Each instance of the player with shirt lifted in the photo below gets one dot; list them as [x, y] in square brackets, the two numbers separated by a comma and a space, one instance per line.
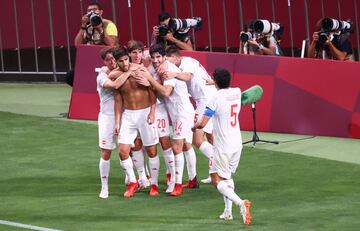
[138, 116]
[224, 108]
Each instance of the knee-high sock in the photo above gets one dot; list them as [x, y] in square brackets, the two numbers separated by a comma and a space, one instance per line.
[226, 190]
[179, 167]
[190, 163]
[207, 149]
[154, 165]
[170, 162]
[138, 160]
[227, 201]
[127, 166]
[104, 169]
[147, 172]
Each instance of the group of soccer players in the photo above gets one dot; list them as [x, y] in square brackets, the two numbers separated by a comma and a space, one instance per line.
[137, 96]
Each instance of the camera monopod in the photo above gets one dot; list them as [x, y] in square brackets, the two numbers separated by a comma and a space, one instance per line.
[251, 96]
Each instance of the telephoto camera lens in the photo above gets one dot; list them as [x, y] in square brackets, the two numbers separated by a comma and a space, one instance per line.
[163, 30]
[94, 18]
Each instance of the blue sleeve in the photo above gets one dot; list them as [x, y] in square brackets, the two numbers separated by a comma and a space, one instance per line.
[209, 112]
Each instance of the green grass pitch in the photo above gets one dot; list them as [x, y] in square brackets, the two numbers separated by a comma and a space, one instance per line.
[49, 178]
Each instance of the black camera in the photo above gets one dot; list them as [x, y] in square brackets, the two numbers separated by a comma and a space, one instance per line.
[244, 37]
[181, 26]
[94, 18]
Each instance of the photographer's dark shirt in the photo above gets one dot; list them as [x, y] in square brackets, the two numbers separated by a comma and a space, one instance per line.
[341, 42]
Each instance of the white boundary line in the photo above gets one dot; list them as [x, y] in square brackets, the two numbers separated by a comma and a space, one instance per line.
[25, 226]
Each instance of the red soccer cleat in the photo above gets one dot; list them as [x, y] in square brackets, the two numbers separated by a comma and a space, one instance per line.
[131, 189]
[177, 190]
[154, 190]
[191, 184]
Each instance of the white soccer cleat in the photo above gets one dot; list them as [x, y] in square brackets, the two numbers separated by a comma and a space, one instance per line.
[104, 193]
[245, 212]
[206, 181]
[170, 187]
[226, 215]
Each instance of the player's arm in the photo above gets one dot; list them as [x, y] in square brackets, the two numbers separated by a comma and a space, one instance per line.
[185, 76]
[118, 110]
[207, 115]
[161, 89]
[151, 116]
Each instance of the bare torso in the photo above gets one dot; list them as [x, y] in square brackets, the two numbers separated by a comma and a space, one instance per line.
[135, 96]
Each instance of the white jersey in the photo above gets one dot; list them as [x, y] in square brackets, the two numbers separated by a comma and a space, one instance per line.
[160, 99]
[107, 100]
[197, 85]
[226, 105]
[178, 102]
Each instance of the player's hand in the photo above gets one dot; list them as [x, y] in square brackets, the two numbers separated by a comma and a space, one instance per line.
[141, 79]
[169, 75]
[209, 81]
[117, 129]
[151, 118]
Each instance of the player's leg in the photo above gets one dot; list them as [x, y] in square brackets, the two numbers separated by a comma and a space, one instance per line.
[104, 169]
[139, 162]
[169, 159]
[177, 147]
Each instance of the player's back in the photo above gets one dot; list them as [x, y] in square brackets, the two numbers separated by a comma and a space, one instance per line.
[227, 103]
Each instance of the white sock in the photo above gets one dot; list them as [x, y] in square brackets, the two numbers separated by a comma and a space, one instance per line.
[127, 166]
[146, 166]
[154, 164]
[104, 169]
[227, 201]
[179, 167]
[226, 190]
[207, 149]
[138, 160]
[191, 163]
[170, 162]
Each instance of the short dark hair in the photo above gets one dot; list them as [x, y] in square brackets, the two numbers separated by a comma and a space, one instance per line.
[222, 77]
[157, 48]
[96, 3]
[173, 50]
[105, 51]
[163, 16]
[249, 25]
[135, 45]
[120, 52]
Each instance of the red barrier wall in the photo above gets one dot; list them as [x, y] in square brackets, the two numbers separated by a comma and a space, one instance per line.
[301, 96]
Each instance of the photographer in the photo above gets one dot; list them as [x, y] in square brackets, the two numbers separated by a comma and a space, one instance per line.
[174, 31]
[331, 41]
[95, 29]
[258, 38]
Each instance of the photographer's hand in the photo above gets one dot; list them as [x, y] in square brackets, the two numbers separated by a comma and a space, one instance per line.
[180, 44]
[80, 36]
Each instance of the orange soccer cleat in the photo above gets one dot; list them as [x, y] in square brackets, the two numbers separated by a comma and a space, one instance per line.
[191, 184]
[245, 212]
[177, 190]
[131, 189]
[154, 190]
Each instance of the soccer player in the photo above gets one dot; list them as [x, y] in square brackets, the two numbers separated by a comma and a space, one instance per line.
[106, 118]
[180, 109]
[224, 108]
[138, 116]
[195, 76]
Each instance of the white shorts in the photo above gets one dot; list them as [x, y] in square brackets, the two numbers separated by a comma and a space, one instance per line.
[162, 120]
[224, 164]
[182, 127]
[106, 127]
[134, 122]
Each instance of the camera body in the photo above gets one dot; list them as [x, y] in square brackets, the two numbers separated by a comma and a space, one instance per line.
[244, 37]
[94, 18]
